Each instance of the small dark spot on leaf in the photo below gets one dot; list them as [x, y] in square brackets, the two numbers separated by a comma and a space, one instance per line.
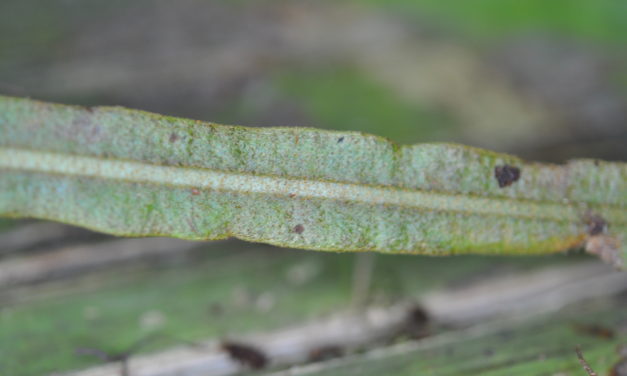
[292, 195]
[245, 354]
[416, 323]
[506, 175]
[84, 128]
[89, 109]
[599, 243]
[340, 140]
[594, 330]
[488, 352]
[195, 192]
[417, 315]
[298, 229]
[596, 224]
[327, 352]
[174, 137]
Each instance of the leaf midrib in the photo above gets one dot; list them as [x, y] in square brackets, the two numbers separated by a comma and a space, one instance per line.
[141, 172]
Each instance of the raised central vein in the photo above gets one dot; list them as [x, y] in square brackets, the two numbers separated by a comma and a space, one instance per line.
[100, 168]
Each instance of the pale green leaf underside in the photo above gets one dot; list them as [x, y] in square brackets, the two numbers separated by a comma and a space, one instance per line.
[138, 174]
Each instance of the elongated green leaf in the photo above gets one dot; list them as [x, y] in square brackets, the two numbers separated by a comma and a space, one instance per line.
[134, 173]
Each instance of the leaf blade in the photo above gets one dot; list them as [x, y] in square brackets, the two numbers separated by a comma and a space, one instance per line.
[138, 174]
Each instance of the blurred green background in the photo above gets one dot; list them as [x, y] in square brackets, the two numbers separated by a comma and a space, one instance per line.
[546, 80]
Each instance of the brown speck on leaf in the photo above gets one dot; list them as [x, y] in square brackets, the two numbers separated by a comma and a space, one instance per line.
[506, 175]
[417, 323]
[85, 128]
[174, 137]
[326, 352]
[245, 354]
[596, 162]
[600, 243]
[298, 229]
[594, 330]
[596, 224]
[292, 195]
[418, 316]
[340, 140]
[195, 192]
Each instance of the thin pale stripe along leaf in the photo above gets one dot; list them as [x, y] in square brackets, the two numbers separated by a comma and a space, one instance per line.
[133, 173]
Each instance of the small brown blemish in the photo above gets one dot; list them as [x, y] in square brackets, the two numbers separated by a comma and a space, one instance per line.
[84, 128]
[340, 140]
[174, 137]
[594, 330]
[596, 162]
[245, 354]
[601, 244]
[416, 323]
[326, 352]
[506, 175]
[417, 315]
[292, 195]
[298, 229]
[596, 224]
[195, 192]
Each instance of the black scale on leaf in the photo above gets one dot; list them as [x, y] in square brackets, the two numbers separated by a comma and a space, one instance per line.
[245, 354]
[506, 175]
